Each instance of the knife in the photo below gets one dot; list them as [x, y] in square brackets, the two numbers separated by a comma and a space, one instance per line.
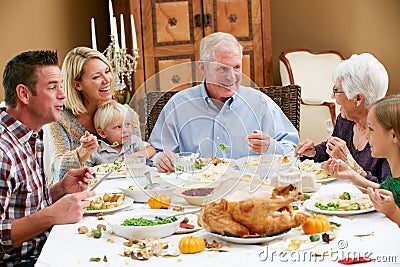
[100, 180]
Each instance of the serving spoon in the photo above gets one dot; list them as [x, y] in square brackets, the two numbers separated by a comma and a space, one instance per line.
[151, 185]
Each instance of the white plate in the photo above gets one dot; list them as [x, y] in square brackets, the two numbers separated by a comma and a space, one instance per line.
[325, 180]
[192, 220]
[103, 169]
[250, 164]
[201, 176]
[127, 202]
[142, 195]
[309, 204]
[255, 240]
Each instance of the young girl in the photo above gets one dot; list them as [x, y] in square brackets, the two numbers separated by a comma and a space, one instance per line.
[113, 123]
[384, 139]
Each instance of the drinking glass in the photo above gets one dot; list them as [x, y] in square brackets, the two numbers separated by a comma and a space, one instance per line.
[291, 176]
[137, 165]
[268, 165]
[184, 162]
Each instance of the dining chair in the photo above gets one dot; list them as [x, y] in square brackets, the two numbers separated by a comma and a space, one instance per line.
[286, 97]
[154, 103]
[313, 72]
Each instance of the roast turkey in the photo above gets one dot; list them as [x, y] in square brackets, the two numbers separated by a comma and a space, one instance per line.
[253, 216]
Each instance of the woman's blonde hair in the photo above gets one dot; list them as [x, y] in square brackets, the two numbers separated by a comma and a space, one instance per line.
[387, 112]
[108, 112]
[72, 71]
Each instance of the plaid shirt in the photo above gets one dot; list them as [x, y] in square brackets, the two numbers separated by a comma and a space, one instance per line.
[23, 186]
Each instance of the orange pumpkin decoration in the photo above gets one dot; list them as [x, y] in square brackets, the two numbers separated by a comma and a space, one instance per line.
[159, 202]
[316, 224]
[191, 244]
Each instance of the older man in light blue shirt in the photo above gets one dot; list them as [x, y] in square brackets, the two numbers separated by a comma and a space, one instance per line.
[221, 112]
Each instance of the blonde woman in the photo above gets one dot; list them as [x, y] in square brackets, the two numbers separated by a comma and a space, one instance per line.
[113, 122]
[88, 82]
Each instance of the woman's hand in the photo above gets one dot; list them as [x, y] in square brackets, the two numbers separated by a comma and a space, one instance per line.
[337, 148]
[385, 206]
[258, 141]
[88, 145]
[165, 161]
[305, 148]
[335, 169]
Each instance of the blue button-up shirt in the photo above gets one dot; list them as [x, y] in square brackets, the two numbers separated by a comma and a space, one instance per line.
[190, 122]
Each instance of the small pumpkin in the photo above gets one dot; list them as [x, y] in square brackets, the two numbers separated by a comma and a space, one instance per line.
[316, 224]
[191, 244]
[159, 202]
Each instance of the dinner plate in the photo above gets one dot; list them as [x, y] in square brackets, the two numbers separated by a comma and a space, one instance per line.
[250, 164]
[127, 202]
[325, 180]
[103, 169]
[193, 221]
[213, 174]
[253, 240]
[309, 204]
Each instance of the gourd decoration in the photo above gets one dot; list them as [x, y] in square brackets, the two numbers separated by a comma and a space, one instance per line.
[316, 224]
[159, 202]
[191, 244]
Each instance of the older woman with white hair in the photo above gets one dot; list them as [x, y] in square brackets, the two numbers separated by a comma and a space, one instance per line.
[358, 82]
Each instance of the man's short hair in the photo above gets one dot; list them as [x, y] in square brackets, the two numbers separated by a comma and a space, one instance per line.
[22, 70]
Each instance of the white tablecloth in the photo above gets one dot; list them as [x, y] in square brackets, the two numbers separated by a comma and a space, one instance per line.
[65, 247]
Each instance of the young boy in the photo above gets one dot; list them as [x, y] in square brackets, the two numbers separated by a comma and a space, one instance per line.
[113, 123]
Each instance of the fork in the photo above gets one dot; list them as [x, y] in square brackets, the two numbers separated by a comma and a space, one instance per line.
[381, 195]
[100, 181]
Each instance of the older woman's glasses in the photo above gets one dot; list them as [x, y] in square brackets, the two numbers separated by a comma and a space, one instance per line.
[336, 91]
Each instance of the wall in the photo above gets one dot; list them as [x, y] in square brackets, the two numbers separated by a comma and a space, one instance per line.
[354, 26]
[350, 27]
[49, 24]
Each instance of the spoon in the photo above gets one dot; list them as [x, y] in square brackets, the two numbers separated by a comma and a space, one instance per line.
[114, 144]
[151, 185]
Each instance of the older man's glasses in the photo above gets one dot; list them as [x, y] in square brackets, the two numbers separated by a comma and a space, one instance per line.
[336, 90]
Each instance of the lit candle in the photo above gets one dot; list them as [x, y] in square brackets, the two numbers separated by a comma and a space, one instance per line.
[123, 44]
[94, 44]
[111, 13]
[134, 41]
[115, 34]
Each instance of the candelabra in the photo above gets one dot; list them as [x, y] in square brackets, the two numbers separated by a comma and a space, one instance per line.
[123, 65]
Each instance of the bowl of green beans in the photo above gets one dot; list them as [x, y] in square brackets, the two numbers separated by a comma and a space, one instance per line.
[141, 224]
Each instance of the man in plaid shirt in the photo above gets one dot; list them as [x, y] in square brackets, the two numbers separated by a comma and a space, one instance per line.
[28, 207]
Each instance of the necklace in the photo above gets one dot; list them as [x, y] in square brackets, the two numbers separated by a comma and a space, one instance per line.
[360, 139]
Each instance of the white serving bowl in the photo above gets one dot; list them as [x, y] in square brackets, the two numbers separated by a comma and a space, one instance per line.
[195, 200]
[142, 232]
[142, 195]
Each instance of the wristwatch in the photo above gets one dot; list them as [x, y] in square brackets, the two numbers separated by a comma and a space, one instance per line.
[359, 170]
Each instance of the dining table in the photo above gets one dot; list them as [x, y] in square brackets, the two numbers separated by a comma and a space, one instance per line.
[368, 235]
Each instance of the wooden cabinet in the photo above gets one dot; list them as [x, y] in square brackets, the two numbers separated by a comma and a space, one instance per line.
[169, 34]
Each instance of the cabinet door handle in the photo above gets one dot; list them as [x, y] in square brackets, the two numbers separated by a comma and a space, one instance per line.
[198, 20]
[207, 20]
